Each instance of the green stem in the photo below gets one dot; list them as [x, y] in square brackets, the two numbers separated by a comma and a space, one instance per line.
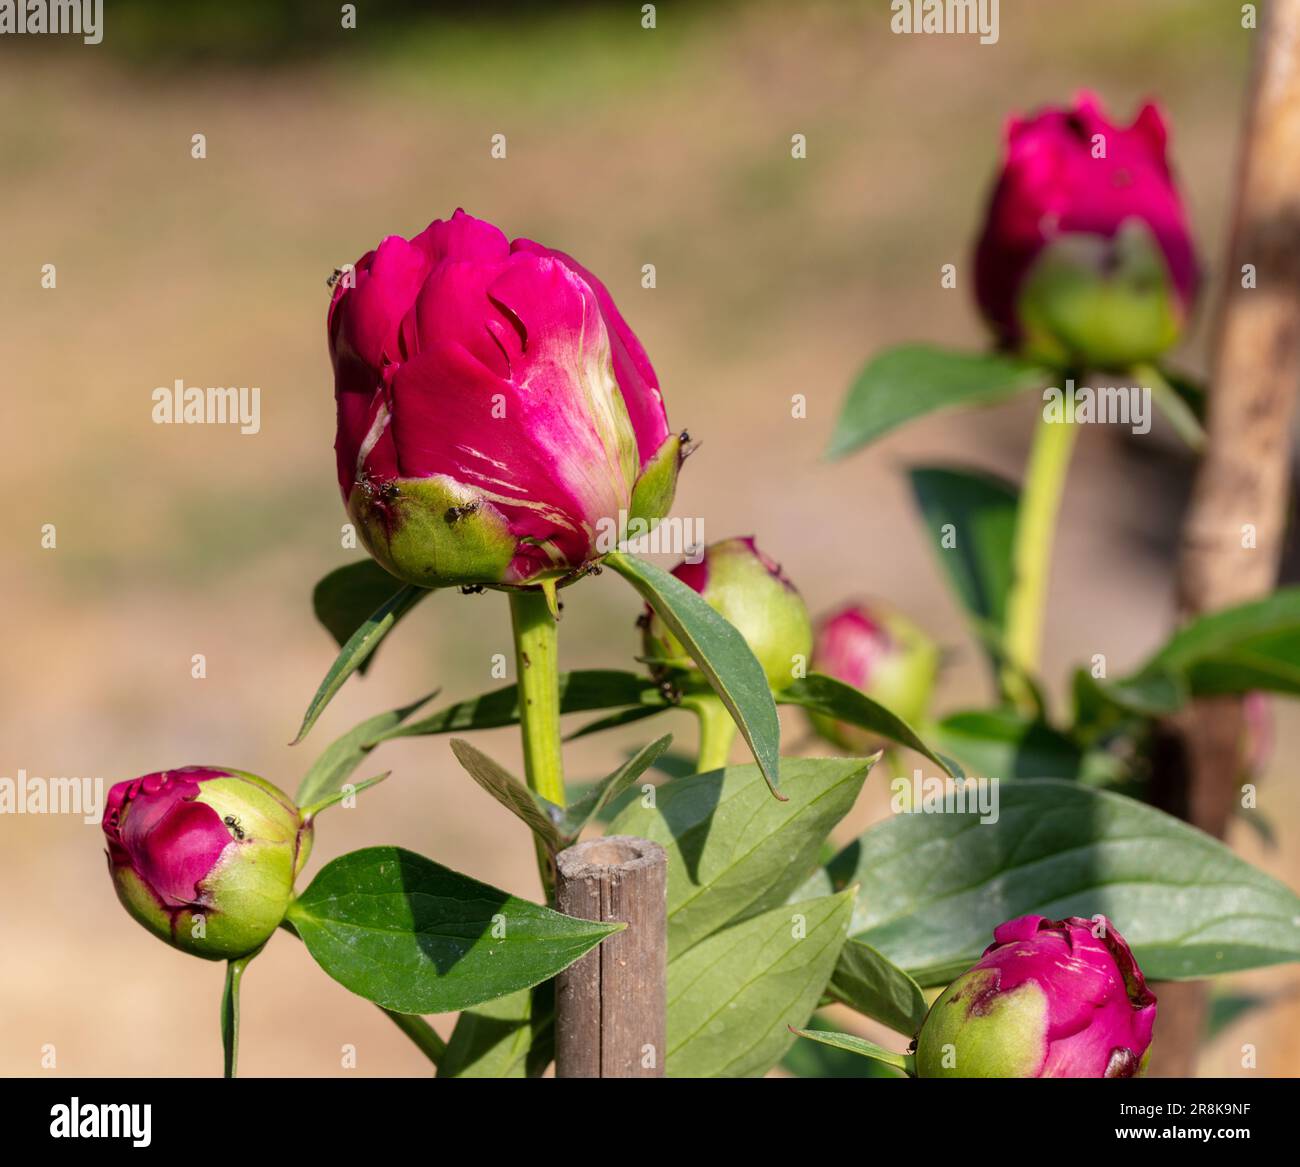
[717, 731]
[1180, 414]
[230, 1014]
[537, 666]
[1031, 555]
[420, 1032]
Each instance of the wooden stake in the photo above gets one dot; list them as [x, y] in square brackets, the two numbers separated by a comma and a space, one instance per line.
[1232, 538]
[610, 1006]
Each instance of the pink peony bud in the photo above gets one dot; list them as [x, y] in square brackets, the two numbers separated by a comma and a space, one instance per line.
[882, 653]
[205, 858]
[1085, 257]
[496, 415]
[749, 590]
[1048, 999]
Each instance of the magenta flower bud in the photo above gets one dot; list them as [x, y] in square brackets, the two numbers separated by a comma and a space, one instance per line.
[749, 590]
[1048, 999]
[205, 858]
[886, 656]
[1085, 257]
[498, 421]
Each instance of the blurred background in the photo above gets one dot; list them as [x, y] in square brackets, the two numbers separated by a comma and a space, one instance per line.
[625, 146]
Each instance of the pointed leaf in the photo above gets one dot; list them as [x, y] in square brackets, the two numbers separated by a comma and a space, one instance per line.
[417, 937]
[343, 599]
[509, 792]
[858, 1045]
[718, 650]
[912, 380]
[877, 988]
[358, 649]
[597, 797]
[843, 702]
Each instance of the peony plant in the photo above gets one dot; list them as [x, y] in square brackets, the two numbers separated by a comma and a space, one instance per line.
[500, 428]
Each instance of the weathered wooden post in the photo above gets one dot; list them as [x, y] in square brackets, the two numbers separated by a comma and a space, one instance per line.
[610, 1006]
[1244, 478]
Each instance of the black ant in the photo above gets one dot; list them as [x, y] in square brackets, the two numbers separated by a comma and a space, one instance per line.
[456, 513]
[233, 823]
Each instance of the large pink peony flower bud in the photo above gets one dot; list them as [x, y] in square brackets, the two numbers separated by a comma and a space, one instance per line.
[1085, 257]
[881, 652]
[1048, 999]
[498, 421]
[749, 590]
[205, 858]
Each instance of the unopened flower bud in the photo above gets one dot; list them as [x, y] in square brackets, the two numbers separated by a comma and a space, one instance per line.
[886, 656]
[1048, 999]
[205, 858]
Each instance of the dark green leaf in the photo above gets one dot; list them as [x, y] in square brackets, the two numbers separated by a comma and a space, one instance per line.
[843, 702]
[617, 720]
[532, 810]
[357, 650]
[417, 937]
[934, 886]
[733, 997]
[864, 980]
[344, 599]
[857, 1045]
[719, 651]
[1003, 743]
[342, 756]
[912, 380]
[733, 850]
[1236, 650]
[580, 692]
[981, 509]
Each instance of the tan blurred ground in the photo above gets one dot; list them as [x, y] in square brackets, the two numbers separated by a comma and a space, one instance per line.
[625, 147]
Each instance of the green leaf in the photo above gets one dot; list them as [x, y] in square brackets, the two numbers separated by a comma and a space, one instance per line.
[1004, 743]
[912, 380]
[733, 850]
[358, 649]
[616, 720]
[312, 809]
[580, 692]
[733, 997]
[864, 980]
[811, 1059]
[417, 937]
[981, 509]
[598, 796]
[1235, 650]
[341, 757]
[858, 1045]
[528, 807]
[343, 599]
[719, 651]
[494, 1040]
[843, 702]
[934, 886]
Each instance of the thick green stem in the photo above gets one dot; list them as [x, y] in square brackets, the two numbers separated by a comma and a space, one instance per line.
[1031, 557]
[538, 669]
[717, 731]
[230, 1014]
[420, 1032]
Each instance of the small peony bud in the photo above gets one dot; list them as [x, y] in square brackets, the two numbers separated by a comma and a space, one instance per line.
[497, 418]
[218, 844]
[1048, 999]
[886, 656]
[749, 590]
[1085, 256]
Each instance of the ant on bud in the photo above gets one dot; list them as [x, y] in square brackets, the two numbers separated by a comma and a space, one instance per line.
[233, 823]
[456, 513]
